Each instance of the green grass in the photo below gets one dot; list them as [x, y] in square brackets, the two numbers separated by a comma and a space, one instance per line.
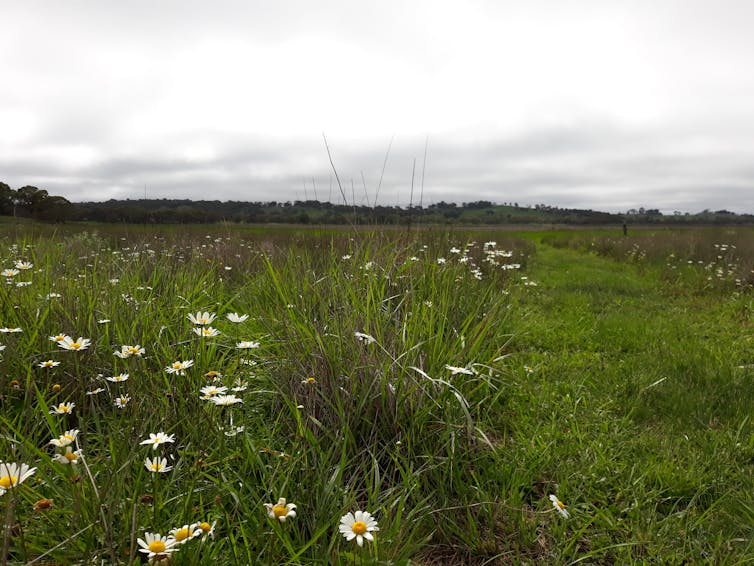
[608, 381]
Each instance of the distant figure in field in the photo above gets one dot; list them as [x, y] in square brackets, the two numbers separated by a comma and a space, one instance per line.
[625, 229]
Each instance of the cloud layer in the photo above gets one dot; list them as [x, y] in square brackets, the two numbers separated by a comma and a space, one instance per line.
[582, 104]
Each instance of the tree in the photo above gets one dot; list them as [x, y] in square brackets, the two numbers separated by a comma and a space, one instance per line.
[31, 200]
[7, 200]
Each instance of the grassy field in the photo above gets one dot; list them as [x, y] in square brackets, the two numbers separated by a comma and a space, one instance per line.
[489, 398]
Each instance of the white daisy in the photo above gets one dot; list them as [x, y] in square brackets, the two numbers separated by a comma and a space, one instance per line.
[212, 390]
[281, 510]
[12, 474]
[157, 465]
[207, 332]
[155, 440]
[359, 526]
[225, 400]
[68, 343]
[69, 456]
[201, 318]
[118, 378]
[63, 409]
[121, 401]
[154, 544]
[65, 439]
[179, 367]
[128, 351]
[235, 317]
[559, 506]
[186, 533]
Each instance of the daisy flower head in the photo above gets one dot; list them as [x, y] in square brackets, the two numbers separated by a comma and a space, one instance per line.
[48, 364]
[65, 439]
[235, 317]
[157, 464]
[225, 400]
[185, 533]
[118, 378]
[281, 510]
[359, 526]
[154, 544]
[127, 351]
[121, 401]
[69, 343]
[365, 338]
[60, 338]
[207, 528]
[9, 272]
[309, 381]
[201, 318]
[155, 440]
[212, 390]
[207, 332]
[70, 456]
[23, 265]
[13, 474]
[9, 330]
[63, 409]
[559, 506]
[179, 367]
[247, 345]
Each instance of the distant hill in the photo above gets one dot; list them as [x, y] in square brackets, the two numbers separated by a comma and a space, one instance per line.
[35, 203]
[162, 211]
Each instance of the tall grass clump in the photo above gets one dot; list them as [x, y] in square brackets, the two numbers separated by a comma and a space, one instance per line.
[165, 386]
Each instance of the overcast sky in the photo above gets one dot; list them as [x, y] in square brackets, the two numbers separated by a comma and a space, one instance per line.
[604, 104]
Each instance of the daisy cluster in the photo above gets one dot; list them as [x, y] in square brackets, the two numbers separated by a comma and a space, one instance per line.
[486, 259]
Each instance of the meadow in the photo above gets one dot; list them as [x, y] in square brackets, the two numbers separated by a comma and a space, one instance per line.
[232, 395]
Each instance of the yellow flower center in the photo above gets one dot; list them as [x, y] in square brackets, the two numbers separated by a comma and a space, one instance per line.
[56, 387]
[206, 527]
[75, 345]
[156, 467]
[280, 511]
[47, 364]
[157, 546]
[560, 504]
[182, 534]
[359, 527]
[68, 437]
[133, 350]
[70, 456]
[8, 481]
[64, 408]
[176, 365]
[311, 380]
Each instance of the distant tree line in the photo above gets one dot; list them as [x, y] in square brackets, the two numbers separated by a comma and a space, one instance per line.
[32, 202]
[36, 203]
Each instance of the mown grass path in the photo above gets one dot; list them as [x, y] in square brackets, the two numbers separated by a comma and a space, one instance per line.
[635, 408]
